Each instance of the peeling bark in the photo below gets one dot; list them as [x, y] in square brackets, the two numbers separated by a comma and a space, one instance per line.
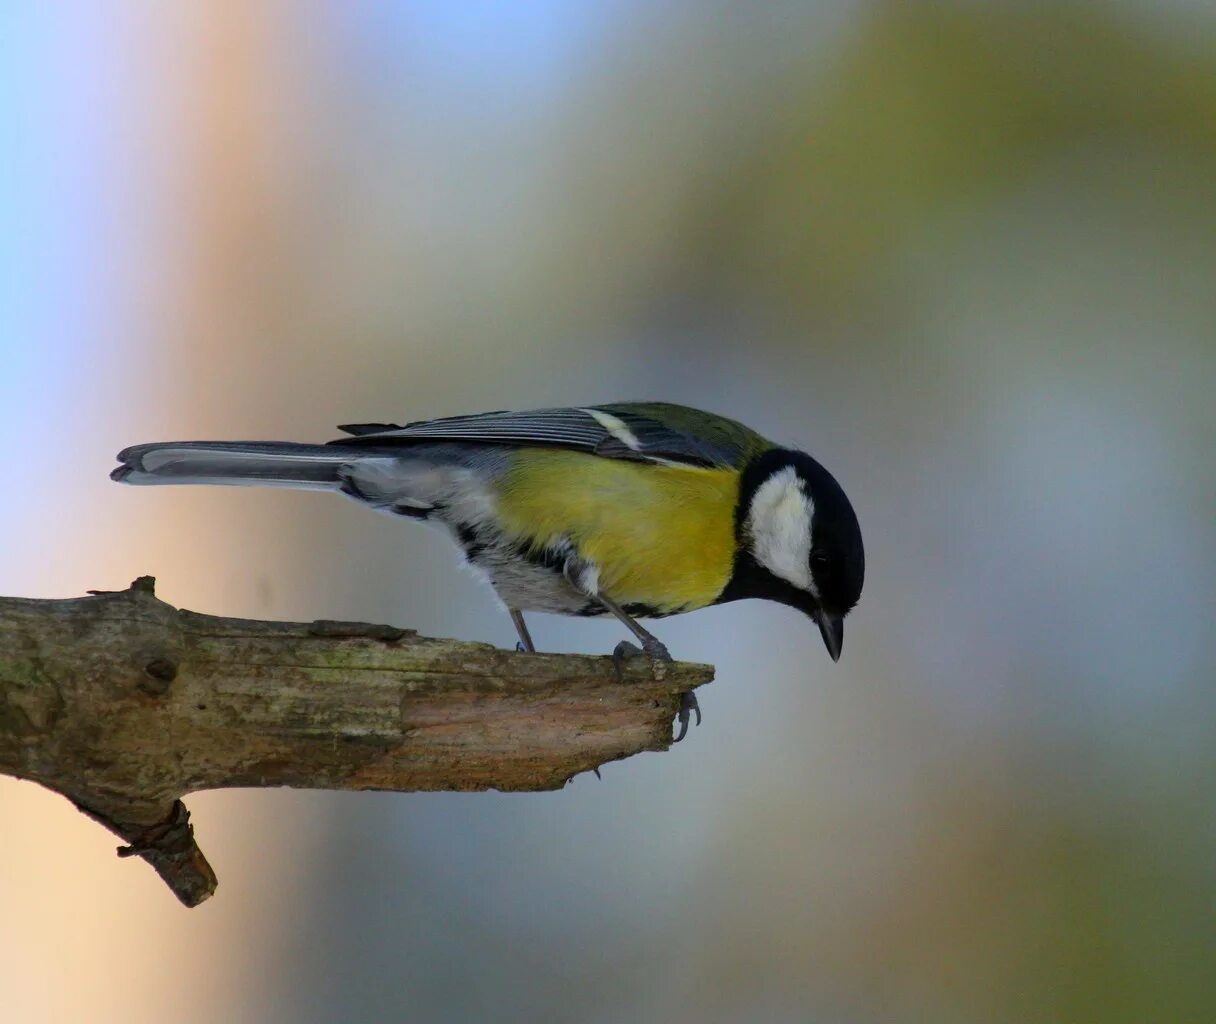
[125, 704]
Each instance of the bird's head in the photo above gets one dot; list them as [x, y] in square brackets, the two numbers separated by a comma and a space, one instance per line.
[799, 541]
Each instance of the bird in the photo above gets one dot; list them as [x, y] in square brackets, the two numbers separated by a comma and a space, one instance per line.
[631, 509]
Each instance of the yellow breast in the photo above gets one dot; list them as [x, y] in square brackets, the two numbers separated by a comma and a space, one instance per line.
[663, 536]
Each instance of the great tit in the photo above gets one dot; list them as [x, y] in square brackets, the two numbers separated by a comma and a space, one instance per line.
[637, 510]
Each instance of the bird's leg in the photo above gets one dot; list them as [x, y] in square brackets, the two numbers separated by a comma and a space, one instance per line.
[525, 638]
[653, 648]
[583, 577]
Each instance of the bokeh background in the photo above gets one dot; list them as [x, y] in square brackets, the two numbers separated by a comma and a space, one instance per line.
[964, 253]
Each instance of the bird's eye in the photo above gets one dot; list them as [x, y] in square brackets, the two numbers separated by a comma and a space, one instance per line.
[819, 561]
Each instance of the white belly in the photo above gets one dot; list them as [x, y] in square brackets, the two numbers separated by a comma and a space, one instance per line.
[529, 584]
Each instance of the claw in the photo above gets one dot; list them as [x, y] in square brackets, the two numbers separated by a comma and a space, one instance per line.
[621, 654]
[520, 648]
[688, 703]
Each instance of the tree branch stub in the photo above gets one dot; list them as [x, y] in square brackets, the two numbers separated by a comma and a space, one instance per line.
[125, 704]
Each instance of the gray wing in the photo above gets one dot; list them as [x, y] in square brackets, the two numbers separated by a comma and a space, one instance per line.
[636, 432]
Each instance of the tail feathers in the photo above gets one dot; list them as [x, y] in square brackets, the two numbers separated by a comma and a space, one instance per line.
[258, 463]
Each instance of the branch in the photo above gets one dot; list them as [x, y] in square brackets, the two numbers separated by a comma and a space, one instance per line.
[125, 704]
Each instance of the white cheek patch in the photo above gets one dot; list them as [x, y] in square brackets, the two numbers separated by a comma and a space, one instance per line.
[779, 522]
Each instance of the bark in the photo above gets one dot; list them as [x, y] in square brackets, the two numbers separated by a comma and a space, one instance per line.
[125, 704]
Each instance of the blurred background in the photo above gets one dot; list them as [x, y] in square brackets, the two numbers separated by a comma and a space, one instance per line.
[962, 253]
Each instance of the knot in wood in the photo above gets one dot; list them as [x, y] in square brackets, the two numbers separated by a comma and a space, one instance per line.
[158, 674]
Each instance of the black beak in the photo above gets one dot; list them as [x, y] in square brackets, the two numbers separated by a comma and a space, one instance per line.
[831, 627]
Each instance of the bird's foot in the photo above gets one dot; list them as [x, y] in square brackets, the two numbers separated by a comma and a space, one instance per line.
[659, 655]
[688, 704]
[623, 652]
[651, 648]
